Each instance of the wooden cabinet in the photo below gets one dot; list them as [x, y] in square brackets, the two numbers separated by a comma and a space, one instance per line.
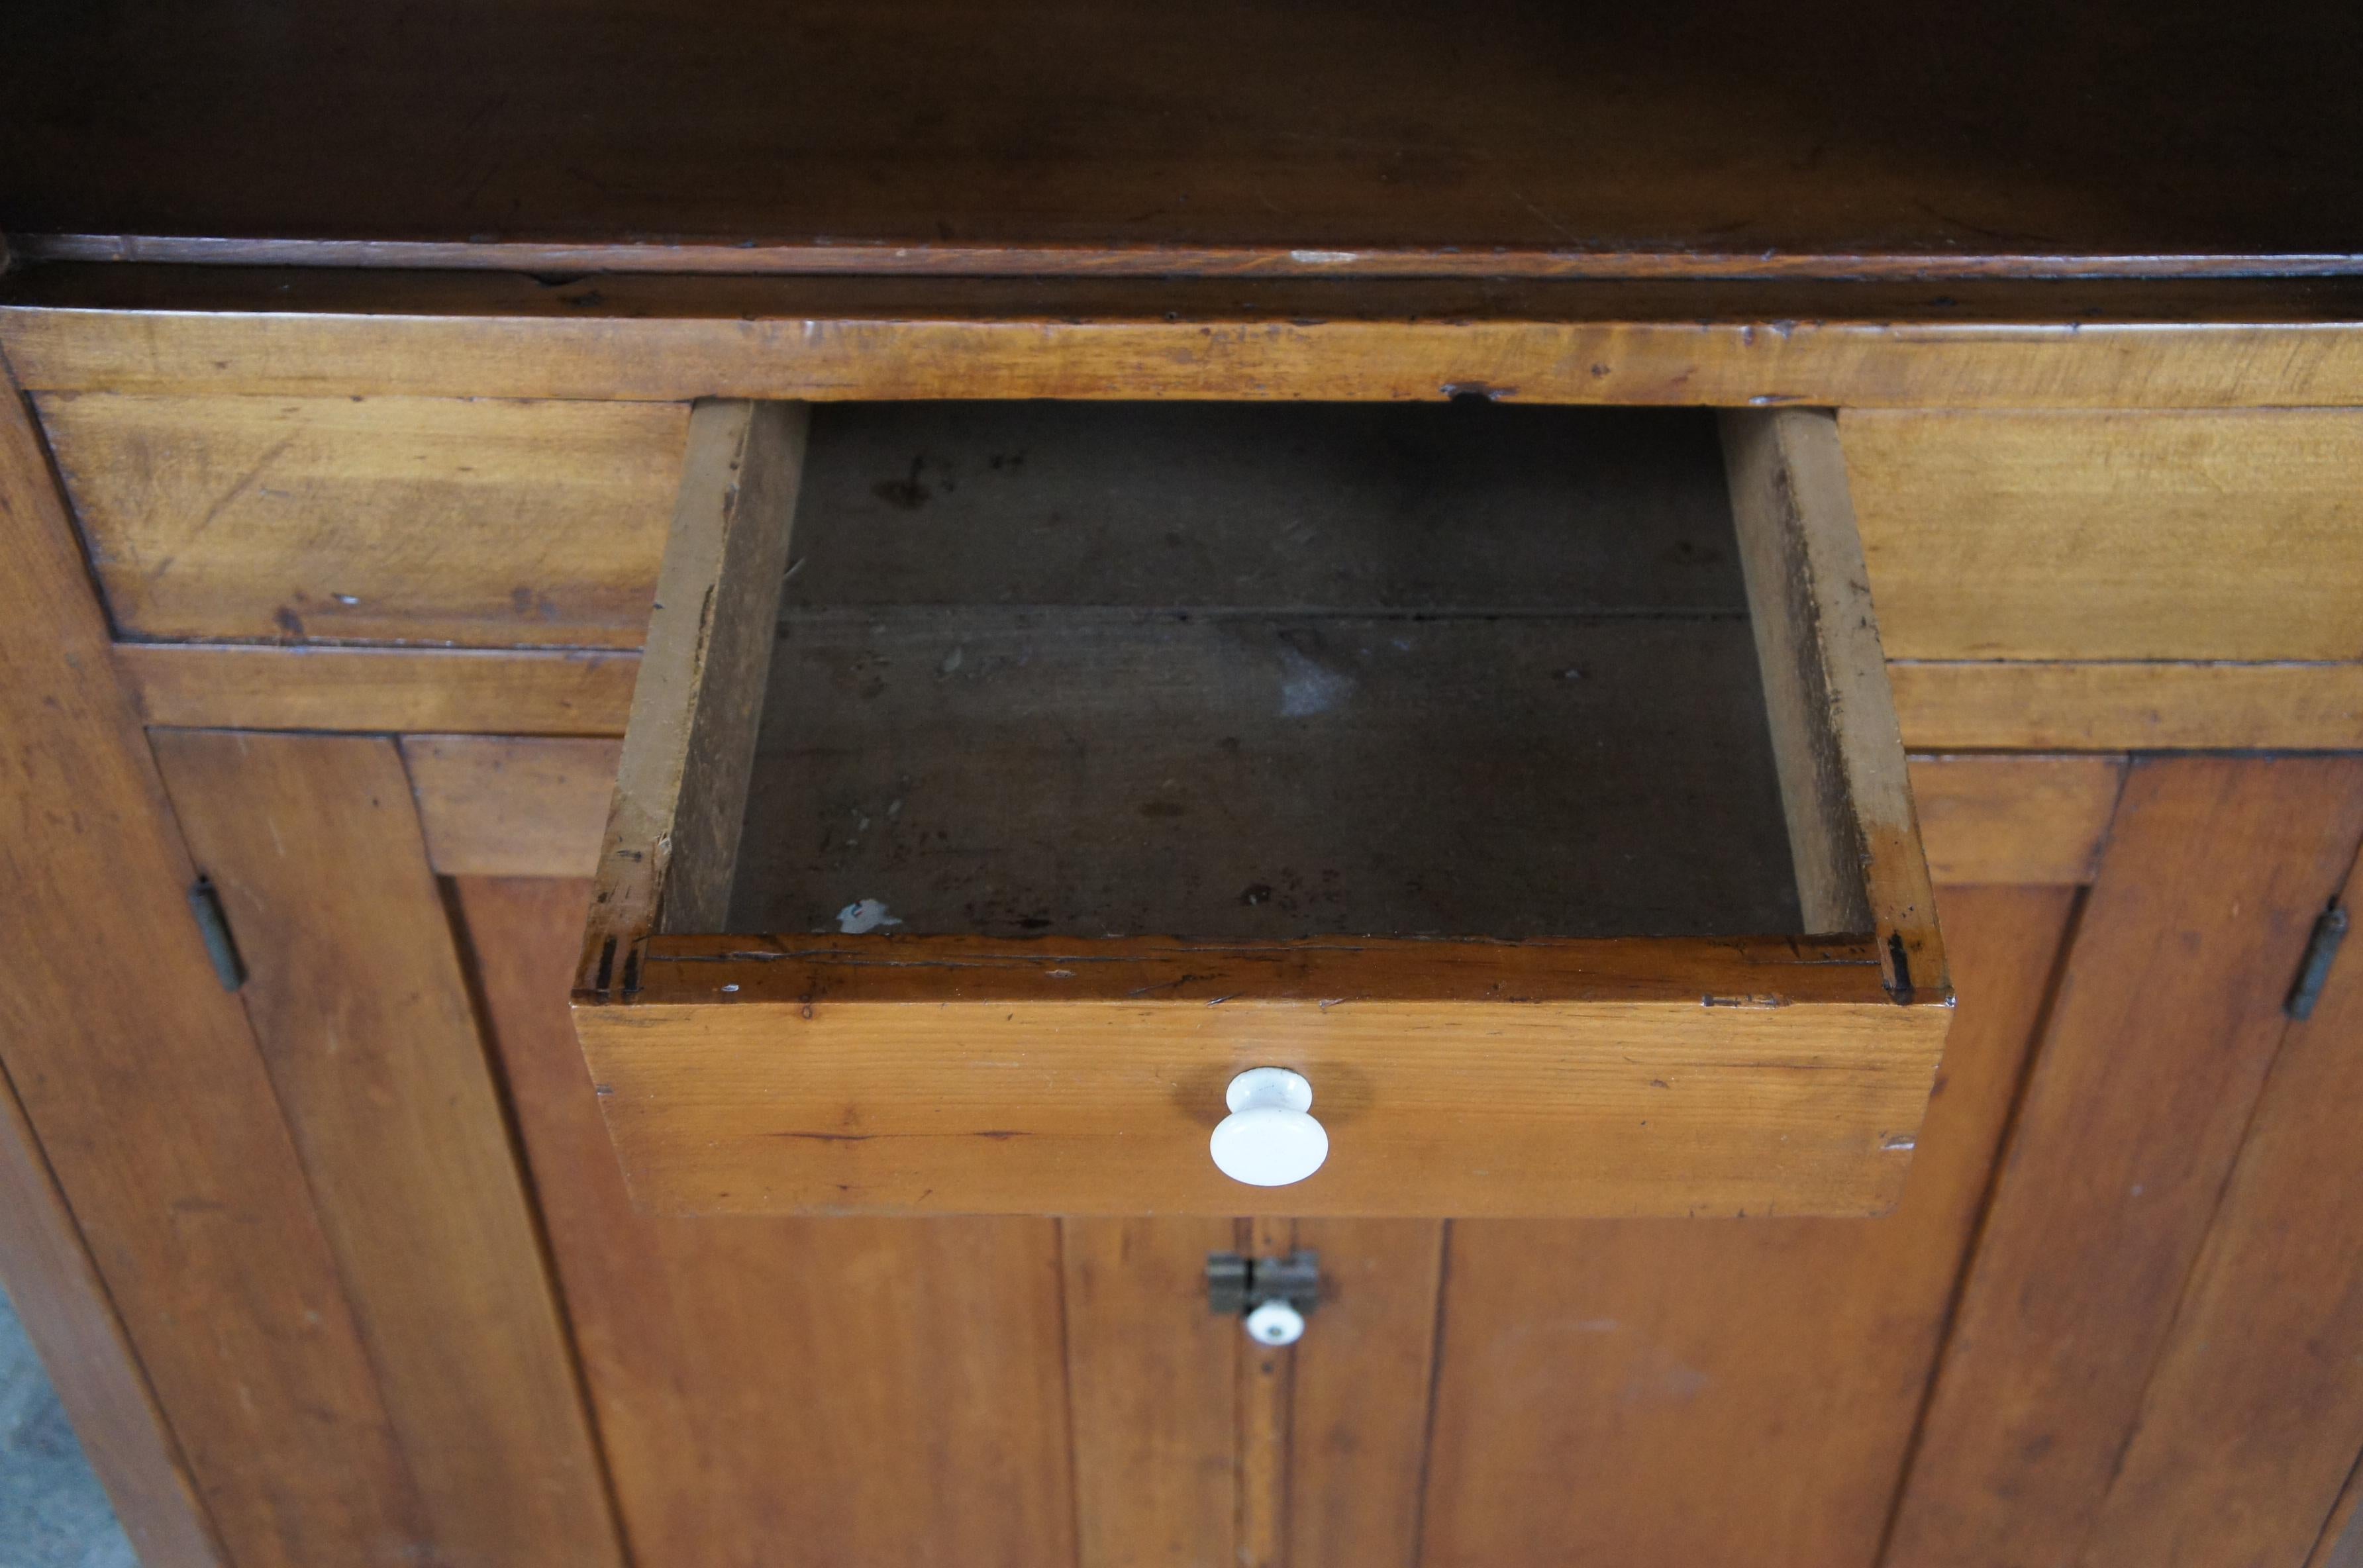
[406, 413]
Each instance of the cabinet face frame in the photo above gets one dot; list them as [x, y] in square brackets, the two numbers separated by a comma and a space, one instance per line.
[886, 1073]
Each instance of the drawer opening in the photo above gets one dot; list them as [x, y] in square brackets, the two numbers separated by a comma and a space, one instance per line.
[1005, 778]
[1264, 671]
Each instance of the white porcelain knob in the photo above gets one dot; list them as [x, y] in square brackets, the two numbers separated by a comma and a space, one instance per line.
[1268, 1140]
[1275, 1323]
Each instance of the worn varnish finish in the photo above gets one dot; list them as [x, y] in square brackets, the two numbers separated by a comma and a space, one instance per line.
[55, 1290]
[371, 520]
[2168, 1021]
[1837, 138]
[870, 1391]
[176, 1163]
[2126, 534]
[2031, 346]
[314, 848]
[1726, 1391]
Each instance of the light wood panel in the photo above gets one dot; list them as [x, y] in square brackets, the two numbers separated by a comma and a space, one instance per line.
[511, 805]
[2168, 1017]
[817, 1391]
[371, 519]
[1154, 1397]
[55, 1289]
[2015, 820]
[358, 998]
[2122, 534]
[281, 332]
[174, 1162]
[1643, 1076]
[1364, 1370]
[2253, 1414]
[508, 691]
[1726, 1391]
[1997, 706]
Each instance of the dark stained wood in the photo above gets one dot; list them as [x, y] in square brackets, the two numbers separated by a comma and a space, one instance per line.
[356, 997]
[2168, 1018]
[847, 1391]
[2024, 345]
[1834, 137]
[55, 1289]
[2253, 1413]
[175, 1162]
[1735, 1390]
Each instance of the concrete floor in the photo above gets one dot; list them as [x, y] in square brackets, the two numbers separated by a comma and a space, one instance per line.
[52, 1512]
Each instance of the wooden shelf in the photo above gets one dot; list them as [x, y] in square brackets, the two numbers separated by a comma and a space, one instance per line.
[1833, 137]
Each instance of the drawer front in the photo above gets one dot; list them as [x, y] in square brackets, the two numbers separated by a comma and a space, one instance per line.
[373, 520]
[2223, 535]
[1004, 1053]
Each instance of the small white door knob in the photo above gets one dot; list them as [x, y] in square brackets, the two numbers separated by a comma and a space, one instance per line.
[1275, 1323]
[1268, 1140]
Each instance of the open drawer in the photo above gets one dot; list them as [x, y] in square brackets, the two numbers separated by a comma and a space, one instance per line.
[1525, 779]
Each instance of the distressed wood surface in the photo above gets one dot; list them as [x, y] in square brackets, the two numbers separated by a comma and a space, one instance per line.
[882, 1073]
[511, 805]
[2168, 1019]
[371, 520]
[363, 1015]
[280, 332]
[1852, 831]
[671, 842]
[2012, 820]
[872, 1391]
[1494, 137]
[2253, 1414]
[2126, 534]
[175, 1162]
[1744, 1391]
[53, 1287]
[1153, 1392]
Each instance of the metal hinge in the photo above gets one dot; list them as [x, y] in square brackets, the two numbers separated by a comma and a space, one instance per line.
[1235, 1283]
[213, 924]
[2314, 973]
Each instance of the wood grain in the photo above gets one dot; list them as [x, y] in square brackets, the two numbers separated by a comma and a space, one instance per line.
[2253, 1414]
[1153, 1393]
[1363, 1373]
[2222, 535]
[870, 1391]
[2168, 1018]
[672, 843]
[2121, 138]
[371, 520]
[1267, 1384]
[1951, 706]
[358, 998]
[175, 1162]
[55, 1289]
[1852, 831]
[2015, 820]
[511, 805]
[277, 332]
[892, 1075]
[1684, 1392]
[1992, 705]
[508, 691]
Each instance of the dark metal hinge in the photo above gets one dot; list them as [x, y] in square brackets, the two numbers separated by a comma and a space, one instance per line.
[1236, 1285]
[2314, 973]
[213, 924]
